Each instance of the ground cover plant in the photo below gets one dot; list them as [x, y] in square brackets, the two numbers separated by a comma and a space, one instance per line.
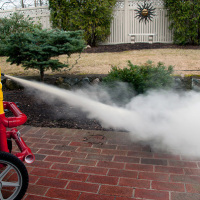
[142, 78]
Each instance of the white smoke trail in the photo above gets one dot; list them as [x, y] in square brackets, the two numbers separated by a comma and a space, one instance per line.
[165, 119]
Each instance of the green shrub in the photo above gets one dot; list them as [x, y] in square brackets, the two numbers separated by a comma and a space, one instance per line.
[184, 16]
[94, 17]
[142, 78]
[40, 48]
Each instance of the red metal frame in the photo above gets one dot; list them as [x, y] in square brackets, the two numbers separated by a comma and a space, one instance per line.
[11, 122]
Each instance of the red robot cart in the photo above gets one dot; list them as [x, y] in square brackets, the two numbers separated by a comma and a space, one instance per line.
[14, 177]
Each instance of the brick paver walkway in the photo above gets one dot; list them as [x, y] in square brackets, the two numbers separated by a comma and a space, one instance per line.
[94, 165]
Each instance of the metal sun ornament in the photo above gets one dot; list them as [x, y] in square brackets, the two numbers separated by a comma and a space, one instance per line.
[145, 12]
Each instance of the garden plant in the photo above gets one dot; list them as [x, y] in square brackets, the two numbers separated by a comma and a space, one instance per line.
[142, 78]
[94, 17]
[40, 49]
[184, 16]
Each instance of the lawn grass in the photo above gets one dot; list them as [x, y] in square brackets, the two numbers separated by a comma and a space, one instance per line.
[101, 63]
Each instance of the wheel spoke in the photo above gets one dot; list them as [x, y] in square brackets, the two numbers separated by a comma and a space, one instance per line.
[9, 184]
[3, 174]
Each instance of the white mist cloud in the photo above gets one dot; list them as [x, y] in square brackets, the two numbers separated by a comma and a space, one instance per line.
[166, 120]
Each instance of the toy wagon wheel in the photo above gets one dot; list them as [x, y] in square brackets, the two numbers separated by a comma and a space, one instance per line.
[13, 177]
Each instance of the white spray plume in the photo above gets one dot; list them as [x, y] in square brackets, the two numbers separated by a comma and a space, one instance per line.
[165, 119]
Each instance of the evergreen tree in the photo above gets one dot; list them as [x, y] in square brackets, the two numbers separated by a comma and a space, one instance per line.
[36, 49]
[94, 17]
[185, 20]
[16, 23]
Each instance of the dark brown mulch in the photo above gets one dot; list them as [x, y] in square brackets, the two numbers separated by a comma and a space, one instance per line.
[136, 46]
[41, 114]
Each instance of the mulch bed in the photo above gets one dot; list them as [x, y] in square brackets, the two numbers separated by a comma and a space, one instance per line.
[41, 114]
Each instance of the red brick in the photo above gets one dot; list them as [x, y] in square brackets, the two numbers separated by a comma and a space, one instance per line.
[176, 163]
[34, 150]
[122, 173]
[33, 179]
[136, 147]
[44, 172]
[193, 188]
[79, 161]
[139, 167]
[65, 147]
[49, 152]
[80, 144]
[126, 159]
[64, 131]
[52, 182]
[124, 198]
[153, 176]
[63, 142]
[39, 156]
[116, 190]
[41, 164]
[189, 171]
[43, 146]
[87, 187]
[184, 196]
[89, 196]
[103, 179]
[88, 150]
[57, 159]
[167, 156]
[34, 197]
[34, 135]
[54, 137]
[151, 194]
[185, 179]
[62, 194]
[100, 157]
[178, 187]
[66, 167]
[37, 189]
[73, 176]
[108, 164]
[93, 170]
[114, 152]
[140, 154]
[104, 146]
[134, 183]
[74, 154]
[192, 158]
[150, 161]
[38, 140]
[171, 170]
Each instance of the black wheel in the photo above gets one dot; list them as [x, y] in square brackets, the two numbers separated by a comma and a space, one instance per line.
[13, 177]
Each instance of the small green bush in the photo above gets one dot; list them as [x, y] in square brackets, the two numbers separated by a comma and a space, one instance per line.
[142, 78]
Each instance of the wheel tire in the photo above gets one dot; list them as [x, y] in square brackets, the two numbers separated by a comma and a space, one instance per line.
[13, 177]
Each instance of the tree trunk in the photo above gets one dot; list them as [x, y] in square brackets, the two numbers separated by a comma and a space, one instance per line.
[42, 74]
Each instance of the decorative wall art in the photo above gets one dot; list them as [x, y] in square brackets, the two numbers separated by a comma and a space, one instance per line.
[145, 12]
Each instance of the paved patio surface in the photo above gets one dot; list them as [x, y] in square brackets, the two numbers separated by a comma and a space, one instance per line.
[94, 165]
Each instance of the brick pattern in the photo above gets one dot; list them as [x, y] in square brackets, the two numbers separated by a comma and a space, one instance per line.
[69, 167]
